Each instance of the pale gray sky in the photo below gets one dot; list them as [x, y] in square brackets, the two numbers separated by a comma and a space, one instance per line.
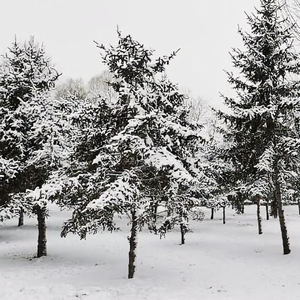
[205, 30]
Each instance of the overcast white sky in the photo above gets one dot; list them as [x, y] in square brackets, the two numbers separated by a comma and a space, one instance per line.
[204, 30]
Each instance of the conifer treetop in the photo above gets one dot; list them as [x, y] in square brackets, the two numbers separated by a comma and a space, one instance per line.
[25, 70]
[132, 62]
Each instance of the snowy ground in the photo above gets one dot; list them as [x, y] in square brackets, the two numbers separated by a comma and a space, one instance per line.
[218, 262]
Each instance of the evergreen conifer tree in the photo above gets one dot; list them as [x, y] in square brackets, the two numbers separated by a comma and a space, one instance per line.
[138, 153]
[263, 132]
[29, 131]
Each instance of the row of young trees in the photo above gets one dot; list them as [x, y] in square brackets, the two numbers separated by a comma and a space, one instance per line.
[131, 147]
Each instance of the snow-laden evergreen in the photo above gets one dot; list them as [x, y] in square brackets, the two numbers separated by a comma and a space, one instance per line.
[263, 131]
[139, 154]
[32, 126]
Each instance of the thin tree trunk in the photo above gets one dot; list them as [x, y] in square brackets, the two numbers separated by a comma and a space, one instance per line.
[42, 240]
[299, 205]
[182, 231]
[155, 217]
[224, 214]
[274, 207]
[212, 213]
[259, 217]
[152, 225]
[21, 217]
[284, 235]
[243, 208]
[241, 204]
[267, 211]
[132, 244]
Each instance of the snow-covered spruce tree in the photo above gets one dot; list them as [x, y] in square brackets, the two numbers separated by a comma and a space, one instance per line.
[53, 132]
[140, 152]
[26, 78]
[263, 131]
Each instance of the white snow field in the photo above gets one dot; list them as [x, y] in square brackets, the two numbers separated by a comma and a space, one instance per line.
[219, 261]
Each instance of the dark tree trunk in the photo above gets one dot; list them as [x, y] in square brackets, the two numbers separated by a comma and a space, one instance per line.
[274, 207]
[224, 215]
[241, 207]
[152, 224]
[42, 240]
[155, 207]
[259, 217]
[212, 213]
[182, 231]
[132, 244]
[284, 235]
[21, 217]
[267, 211]
[299, 205]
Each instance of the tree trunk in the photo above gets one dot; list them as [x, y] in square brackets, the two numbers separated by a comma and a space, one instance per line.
[267, 211]
[224, 214]
[182, 231]
[132, 244]
[21, 217]
[284, 235]
[259, 217]
[299, 205]
[212, 213]
[42, 241]
[152, 224]
[274, 207]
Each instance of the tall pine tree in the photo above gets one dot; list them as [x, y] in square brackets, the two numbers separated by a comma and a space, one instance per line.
[263, 135]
